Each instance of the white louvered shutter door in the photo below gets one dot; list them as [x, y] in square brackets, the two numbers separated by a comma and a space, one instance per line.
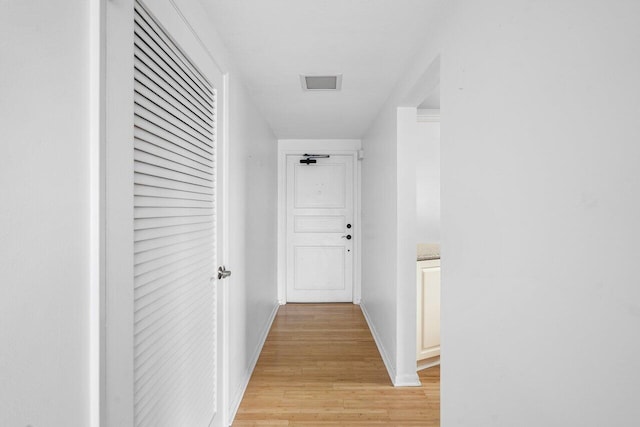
[175, 233]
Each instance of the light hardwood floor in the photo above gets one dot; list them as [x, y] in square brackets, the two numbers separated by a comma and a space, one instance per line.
[320, 367]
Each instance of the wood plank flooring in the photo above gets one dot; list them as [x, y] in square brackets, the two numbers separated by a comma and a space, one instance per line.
[320, 367]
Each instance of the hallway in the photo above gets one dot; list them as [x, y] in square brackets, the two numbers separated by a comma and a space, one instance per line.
[320, 366]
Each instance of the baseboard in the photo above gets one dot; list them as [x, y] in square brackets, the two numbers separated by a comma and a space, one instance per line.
[408, 380]
[428, 363]
[385, 358]
[237, 399]
[405, 380]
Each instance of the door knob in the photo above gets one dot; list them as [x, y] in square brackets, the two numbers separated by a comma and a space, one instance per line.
[347, 236]
[223, 273]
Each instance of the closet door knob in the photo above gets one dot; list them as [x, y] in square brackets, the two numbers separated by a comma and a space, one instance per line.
[223, 273]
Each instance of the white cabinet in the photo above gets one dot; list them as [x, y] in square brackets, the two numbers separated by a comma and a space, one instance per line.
[428, 314]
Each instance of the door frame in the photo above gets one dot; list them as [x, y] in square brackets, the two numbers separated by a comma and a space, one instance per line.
[348, 147]
[110, 327]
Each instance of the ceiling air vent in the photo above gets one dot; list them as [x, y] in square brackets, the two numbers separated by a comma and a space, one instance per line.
[316, 82]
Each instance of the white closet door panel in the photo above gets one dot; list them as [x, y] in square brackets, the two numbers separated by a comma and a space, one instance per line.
[164, 193]
[159, 60]
[185, 235]
[162, 251]
[175, 244]
[155, 181]
[157, 213]
[170, 59]
[159, 223]
[149, 116]
[184, 67]
[172, 145]
[171, 115]
[186, 159]
[146, 281]
[148, 355]
[141, 236]
[173, 163]
[156, 83]
[150, 202]
[147, 67]
[154, 129]
[177, 99]
[170, 262]
[167, 105]
[151, 299]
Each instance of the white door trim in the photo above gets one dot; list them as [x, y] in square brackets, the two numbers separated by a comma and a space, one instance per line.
[117, 364]
[111, 207]
[97, 80]
[286, 147]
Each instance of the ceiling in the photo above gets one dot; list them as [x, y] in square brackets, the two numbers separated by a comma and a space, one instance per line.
[369, 42]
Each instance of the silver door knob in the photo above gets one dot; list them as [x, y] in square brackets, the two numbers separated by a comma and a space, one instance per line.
[223, 273]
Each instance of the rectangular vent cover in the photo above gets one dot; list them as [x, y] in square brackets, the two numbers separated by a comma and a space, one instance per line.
[325, 82]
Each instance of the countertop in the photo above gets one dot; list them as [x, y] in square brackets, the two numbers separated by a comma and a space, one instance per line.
[428, 251]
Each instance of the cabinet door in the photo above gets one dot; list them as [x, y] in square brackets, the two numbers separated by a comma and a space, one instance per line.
[428, 327]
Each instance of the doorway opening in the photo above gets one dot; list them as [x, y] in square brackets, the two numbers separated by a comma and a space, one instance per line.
[428, 232]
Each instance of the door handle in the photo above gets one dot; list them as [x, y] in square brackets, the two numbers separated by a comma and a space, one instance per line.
[223, 273]
[347, 236]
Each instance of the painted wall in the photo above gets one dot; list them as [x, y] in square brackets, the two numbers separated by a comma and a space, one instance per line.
[253, 236]
[44, 213]
[397, 149]
[540, 303]
[379, 234]
[427, 154]
[540, 156]
[406, 241]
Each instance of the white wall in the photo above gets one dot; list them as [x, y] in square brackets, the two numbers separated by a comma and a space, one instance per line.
[406, 242]
[44, 213]
[396, 148]
[427, 157]
[379, 234]
[253, 236]
[540, 303]
[389, 188]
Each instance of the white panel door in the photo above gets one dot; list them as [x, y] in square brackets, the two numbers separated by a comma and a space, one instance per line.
[320, 229]
[177, 238]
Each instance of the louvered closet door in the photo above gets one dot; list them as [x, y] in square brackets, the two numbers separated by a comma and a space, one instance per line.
[175, 233]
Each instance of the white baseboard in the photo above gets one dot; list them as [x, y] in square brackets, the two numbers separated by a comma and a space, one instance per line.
[387, 362]
[239, 394]
[428, 363]
[405, 380]
[408, 380]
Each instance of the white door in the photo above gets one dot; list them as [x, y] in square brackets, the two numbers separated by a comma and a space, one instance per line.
[320, 229]
[177, 327]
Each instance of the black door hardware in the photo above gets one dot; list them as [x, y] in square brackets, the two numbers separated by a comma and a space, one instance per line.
[311, 158]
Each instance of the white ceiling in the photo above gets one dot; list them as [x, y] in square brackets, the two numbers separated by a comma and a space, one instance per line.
[370, 42]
